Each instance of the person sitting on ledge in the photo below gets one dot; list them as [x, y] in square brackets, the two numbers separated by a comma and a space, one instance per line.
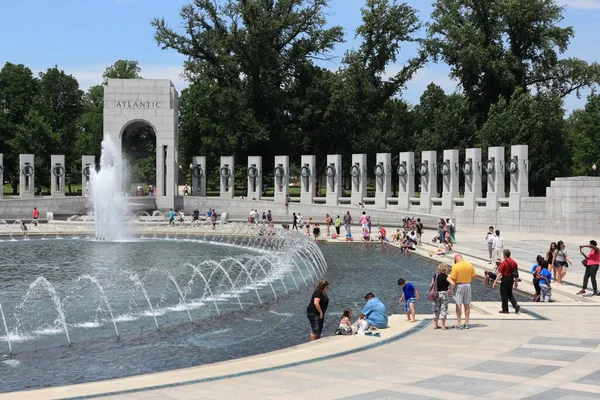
[349, 237]
[366, 236]
[361, 325]
[375, 311]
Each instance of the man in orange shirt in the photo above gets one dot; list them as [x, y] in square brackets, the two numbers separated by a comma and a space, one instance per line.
[462, 273]
[36, 215]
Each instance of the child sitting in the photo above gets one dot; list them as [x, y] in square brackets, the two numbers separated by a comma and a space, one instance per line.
[491, 275]
[345, 324]
[349, 237]
[366, 236]
[361, 325]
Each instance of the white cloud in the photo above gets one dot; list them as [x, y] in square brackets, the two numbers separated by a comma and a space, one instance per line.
[585, 4]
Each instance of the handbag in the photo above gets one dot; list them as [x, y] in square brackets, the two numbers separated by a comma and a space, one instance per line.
[433, 292]
[515, 273]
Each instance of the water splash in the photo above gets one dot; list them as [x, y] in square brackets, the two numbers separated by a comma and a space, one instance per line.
[181, 296]
[110, 208]
[103, 296]
[137, 282]
[6, 330]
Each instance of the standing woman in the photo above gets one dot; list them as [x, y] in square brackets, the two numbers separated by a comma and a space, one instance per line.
[550, 257]
[560, 261]
[316, 309]
[338, 225]
[445, 286]
[328, 222]
[294, 222]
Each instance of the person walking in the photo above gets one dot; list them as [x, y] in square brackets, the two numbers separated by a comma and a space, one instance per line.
[592, 261]
[294, 222]
[338, 225]
[348, 222]
[561, 262]
[316, 309]
[462, 274]
[489, 238]
[508, 272]
[419, 229]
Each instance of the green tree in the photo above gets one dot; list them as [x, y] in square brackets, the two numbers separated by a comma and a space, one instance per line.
[538, 121]
[584, 136]
[18, 89]
[495, 47]
[246, 55]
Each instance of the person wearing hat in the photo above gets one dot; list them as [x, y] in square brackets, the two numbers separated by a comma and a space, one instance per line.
[462, 274]
[491, 275]
[592, 261]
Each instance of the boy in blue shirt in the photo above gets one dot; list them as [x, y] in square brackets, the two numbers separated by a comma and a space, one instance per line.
[410, 295]
[545, 277]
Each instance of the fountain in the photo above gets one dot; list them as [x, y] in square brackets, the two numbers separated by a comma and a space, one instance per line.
[110, 208]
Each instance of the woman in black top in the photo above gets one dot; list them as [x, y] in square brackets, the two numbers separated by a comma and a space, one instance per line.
[316, 309]
[316, 231]
[294, 222]
[445, 286]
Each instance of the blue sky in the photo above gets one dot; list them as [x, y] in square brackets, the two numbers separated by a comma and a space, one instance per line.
[83, 37]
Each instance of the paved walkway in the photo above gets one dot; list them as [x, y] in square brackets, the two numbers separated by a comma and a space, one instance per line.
[550, 353]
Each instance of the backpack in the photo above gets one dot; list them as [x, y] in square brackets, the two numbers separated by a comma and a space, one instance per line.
[433, 292]
[452, 228]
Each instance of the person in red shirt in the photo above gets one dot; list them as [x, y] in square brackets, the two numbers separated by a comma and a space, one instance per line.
[592, 262]
[505, 273]
[36, 215]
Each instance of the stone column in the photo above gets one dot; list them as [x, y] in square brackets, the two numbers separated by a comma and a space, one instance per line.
[406, 175]
[308, 173]
[26, 176]
[199, 176]
[358, 174]
[494, 168]
[450, 172]
[58, 174]
[333, 173]
[226, 177]
[518, 167]
[254, 174]
[88, 166]
[281, 178]
[428, 172]
[472, 170]
[2, 173]
[383, 179]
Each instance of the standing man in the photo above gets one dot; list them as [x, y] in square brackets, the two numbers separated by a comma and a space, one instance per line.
[498, 245]
[592, 261]
[489, 238]
[171, 217]
[347, 222]
[508, 271]
[462, 273]
[419, 229]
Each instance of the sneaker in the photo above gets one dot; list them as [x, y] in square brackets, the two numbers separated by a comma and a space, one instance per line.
[582, 291]
[517, 308]
[503, 312]
[466, 326]
[458, 327]
[596, 293]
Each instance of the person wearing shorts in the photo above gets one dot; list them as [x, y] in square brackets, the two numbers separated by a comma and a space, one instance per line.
[462, 274]
[316, 309]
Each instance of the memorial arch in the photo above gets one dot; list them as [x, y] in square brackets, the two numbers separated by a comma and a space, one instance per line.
[132, 103]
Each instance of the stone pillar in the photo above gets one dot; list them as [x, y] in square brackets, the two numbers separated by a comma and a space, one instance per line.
[254, 174]
[333, 174]
[383, 179]
[26, 176]
[58, 174]
[450, 172]
[472, 170]
[358, 174]
[518, 167]
[199, 176]
[226, 175]
[406, 175]
[1, 174]
[88, 165]
[308, 174]
[494, 168]
[428, 172]
[282, 178]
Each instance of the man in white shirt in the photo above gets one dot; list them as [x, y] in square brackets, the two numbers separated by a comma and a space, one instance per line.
[498, 246]
[489, 238]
